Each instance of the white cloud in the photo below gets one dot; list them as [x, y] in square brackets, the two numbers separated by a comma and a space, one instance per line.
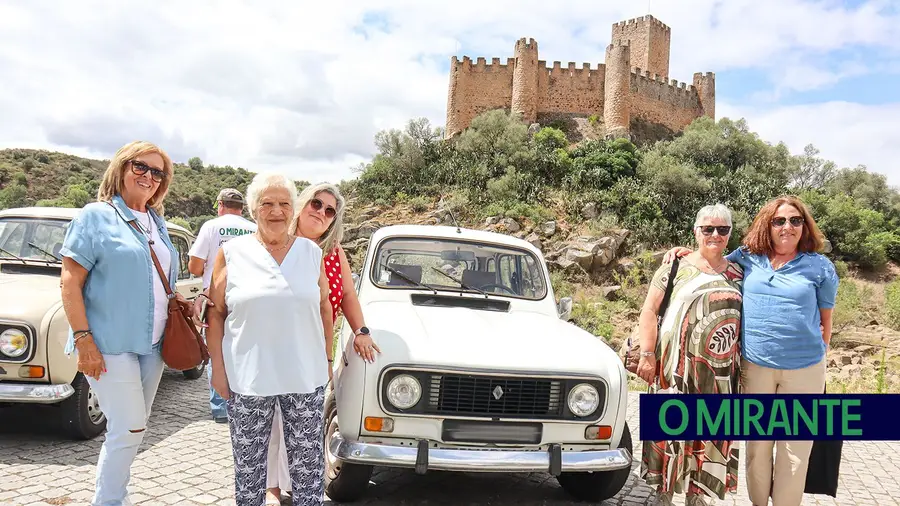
[282, 85]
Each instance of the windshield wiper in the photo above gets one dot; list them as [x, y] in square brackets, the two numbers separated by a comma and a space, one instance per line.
[42, 250]
[461, 284]
[411, 280]
[16, 257]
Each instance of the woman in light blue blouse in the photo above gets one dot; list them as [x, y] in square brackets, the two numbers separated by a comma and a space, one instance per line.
[115, 303]
[788, 299]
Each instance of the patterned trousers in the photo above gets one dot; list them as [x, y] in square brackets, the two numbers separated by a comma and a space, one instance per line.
[250, 421]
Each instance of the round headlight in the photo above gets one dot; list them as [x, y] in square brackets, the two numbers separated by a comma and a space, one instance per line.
[13, 343]
[583, 400]
[404, 391]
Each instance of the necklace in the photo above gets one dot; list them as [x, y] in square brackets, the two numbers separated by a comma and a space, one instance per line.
[147, 230]
[270, 248]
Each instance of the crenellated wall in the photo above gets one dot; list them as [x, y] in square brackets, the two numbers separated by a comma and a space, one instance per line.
[570, 89]
[632, 85]
[672, 104]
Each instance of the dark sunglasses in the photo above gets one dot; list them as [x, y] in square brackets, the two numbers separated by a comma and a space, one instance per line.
[317, 204]
[140, 168]
[796, 221]
[708, 229]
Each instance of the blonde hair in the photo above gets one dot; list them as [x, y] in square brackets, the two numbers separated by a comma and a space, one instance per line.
[332, 236]
[264, 182]
[113, 182]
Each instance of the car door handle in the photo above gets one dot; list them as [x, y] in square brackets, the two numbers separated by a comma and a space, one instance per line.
[195, 289]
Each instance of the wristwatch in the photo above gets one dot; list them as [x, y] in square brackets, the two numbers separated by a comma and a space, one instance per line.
[363, 331]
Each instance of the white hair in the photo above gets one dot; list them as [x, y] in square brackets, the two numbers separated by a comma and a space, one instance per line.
[713, 211]
[264, 182]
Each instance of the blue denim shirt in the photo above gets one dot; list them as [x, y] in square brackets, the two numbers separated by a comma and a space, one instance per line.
[118, 291]
[780, 319]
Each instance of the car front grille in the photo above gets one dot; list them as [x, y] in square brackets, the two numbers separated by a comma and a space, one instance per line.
[510, 397]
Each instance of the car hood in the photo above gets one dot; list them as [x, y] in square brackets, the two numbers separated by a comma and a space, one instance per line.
[512, 341]
[28, 297]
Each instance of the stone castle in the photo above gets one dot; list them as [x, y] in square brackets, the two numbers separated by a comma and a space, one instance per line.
[631, 87]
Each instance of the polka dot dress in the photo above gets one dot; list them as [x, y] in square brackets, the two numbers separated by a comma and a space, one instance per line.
[335, 282]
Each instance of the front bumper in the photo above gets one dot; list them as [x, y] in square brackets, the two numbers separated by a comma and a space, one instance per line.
[32, 393]
[424, 458]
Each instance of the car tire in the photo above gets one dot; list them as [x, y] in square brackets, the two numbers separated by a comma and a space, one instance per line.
[598, 486]
[81, 414]
[195, 373]
[344, 481]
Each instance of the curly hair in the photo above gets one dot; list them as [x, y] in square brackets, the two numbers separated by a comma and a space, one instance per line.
[758, 239]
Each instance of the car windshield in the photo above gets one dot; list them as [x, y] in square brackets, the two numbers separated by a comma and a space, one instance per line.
[452, 265]
[32, 238]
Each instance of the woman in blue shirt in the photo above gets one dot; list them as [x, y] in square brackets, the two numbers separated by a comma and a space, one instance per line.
[788, 298]
[116, 303]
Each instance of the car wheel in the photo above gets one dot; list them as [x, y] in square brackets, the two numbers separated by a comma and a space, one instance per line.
[81, 414]
[195, 373]
[598, 486]
[344, 481]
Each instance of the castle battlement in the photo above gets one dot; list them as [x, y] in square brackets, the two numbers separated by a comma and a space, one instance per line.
[674, 84]
[648, 19]
[632, 84]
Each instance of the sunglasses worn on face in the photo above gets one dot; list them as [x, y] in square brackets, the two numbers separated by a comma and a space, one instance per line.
[708, 230]
[140, 168]
[795, 221]
[317, 204]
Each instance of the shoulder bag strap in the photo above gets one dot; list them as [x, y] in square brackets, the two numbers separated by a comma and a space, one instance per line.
[668, 294]
[159, 270]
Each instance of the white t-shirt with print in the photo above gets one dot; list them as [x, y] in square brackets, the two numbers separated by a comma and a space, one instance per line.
[160, 299]
[213, 234]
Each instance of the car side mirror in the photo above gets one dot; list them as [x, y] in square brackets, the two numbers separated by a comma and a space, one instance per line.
[356, 280]
[565, 308]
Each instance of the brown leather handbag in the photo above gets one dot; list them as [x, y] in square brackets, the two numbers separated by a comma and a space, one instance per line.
[182, 346]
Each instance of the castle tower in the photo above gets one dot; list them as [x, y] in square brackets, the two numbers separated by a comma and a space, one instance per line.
[617, 90]
[705, 84]
[454, 125]
[649, 39]
[525, 80]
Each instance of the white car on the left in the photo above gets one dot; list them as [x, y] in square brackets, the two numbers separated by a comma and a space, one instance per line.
[33, 329]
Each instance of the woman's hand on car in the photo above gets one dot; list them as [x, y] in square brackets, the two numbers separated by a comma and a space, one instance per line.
[366, 347]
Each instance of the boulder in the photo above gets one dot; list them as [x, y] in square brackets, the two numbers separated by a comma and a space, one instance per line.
[364, 230]
[492, 220]
[611, 292]
[535, 240]
[549, 228]
[589, 211]
[593, 254]
[511, 225]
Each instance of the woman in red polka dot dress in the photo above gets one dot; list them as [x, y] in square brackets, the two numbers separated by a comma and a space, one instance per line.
[321, 219]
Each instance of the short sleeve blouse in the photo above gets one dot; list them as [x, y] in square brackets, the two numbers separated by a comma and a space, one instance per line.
[335, 281]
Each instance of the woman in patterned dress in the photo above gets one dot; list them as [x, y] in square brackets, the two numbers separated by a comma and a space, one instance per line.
[695, 351]
[321, 219]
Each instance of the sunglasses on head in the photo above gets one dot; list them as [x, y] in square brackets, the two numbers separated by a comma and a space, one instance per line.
[317, 204]
[140, 168]
[795, 221]
[709, 229]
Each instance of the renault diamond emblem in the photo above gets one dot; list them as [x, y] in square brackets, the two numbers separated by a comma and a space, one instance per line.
[498, 392]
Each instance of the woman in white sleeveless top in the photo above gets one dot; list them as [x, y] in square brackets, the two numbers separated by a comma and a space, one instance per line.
[270, 339]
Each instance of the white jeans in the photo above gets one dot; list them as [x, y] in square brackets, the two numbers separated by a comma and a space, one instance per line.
[125, 393]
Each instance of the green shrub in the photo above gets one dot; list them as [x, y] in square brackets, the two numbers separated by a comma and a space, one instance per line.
[892, 304]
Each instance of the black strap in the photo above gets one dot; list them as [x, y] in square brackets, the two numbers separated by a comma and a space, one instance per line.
[668, 294]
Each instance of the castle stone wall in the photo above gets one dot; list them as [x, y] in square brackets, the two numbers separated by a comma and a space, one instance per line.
[476, 88]
[671, 104]
[649, 40]
[570, 90]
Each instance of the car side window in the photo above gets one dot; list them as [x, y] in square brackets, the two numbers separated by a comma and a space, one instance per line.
[181, 245]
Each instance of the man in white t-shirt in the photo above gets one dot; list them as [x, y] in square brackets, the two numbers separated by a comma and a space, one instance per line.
[229, 224]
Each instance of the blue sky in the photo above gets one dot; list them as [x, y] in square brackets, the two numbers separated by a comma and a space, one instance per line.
[304, 88]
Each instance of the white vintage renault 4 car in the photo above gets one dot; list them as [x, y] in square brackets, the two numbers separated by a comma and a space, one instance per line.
[479, 370]
[34, 369]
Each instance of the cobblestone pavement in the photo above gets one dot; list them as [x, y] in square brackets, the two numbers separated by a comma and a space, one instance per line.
[186, 459]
